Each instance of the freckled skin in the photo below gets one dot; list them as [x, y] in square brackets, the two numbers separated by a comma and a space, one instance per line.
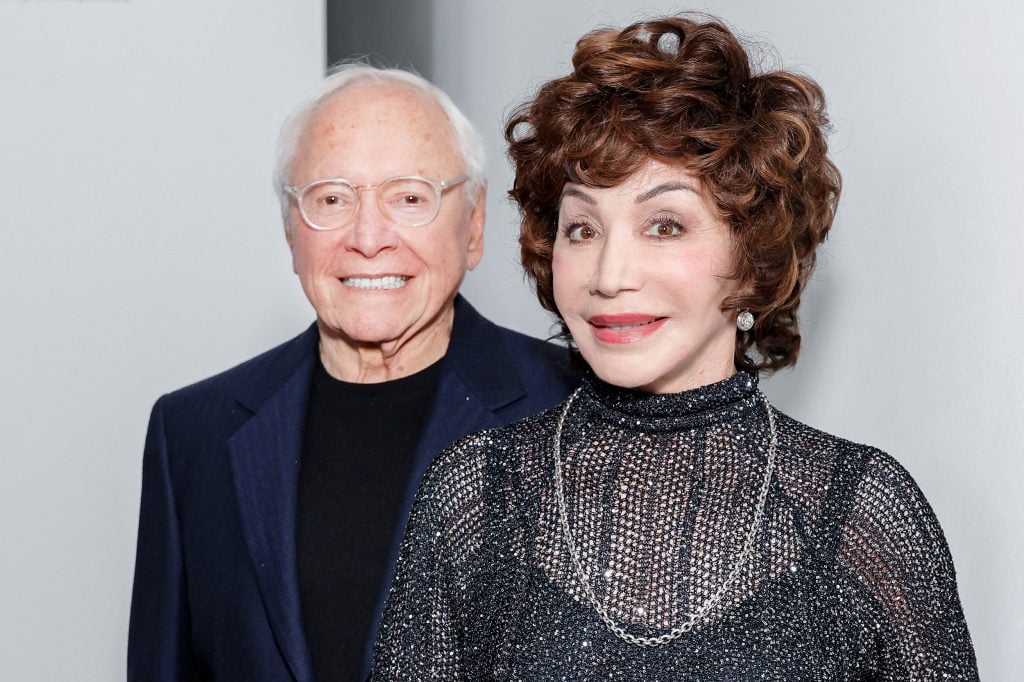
[368, 133]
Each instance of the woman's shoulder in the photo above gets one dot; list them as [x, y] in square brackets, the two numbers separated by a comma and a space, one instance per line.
[486, 459]
[804, 441]
[474, 483]
[848, 480]
[806, 447]
[812, 454]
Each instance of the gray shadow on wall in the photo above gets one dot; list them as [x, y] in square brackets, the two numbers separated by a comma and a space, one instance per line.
[390, 32]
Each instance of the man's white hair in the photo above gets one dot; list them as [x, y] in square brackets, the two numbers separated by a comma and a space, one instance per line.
[470, 143]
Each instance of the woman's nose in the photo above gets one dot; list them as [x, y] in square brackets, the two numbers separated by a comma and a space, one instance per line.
[617, 269]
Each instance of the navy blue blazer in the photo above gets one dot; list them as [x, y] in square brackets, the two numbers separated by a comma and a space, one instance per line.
[216, 592]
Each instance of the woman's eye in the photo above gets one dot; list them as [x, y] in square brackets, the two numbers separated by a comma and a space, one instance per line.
[580, 232]
[664, 228]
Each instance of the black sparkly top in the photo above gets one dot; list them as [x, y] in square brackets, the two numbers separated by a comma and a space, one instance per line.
[850, 577]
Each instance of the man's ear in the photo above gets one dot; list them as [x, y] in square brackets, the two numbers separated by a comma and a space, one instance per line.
[477, 218]
[290, 238]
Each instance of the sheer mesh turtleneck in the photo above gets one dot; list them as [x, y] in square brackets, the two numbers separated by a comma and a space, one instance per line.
[849, 579]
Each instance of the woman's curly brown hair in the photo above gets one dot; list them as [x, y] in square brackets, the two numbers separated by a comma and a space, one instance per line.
[681, 89]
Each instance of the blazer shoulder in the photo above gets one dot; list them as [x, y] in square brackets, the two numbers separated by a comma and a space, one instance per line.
[513, 374]
[252, 378]
[544, 368]
[539, 361]
[518, 344]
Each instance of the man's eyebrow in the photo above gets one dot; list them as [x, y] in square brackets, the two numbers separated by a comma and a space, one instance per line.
[665, 187]
[568, 191]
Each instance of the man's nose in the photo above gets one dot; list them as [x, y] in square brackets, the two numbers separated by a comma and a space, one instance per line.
[371, 232]
[618, 267]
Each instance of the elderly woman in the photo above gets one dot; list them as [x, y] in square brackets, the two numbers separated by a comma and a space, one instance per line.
[666, 522]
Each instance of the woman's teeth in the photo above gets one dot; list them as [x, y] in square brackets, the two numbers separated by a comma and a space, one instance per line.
[634, 325]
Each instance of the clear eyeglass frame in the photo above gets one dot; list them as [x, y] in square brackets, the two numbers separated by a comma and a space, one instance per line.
[302, 194]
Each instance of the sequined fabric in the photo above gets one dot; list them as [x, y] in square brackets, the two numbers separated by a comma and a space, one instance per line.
[850, 577]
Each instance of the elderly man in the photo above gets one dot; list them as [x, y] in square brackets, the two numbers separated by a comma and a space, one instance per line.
[274, 495]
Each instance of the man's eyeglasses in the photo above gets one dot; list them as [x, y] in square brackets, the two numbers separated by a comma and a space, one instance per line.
[410, 201]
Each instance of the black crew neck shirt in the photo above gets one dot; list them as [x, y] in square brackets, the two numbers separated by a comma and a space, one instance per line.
[357, 452]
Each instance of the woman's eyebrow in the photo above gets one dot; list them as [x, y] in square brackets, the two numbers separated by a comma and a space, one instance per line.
[665, 187]
[579, 194]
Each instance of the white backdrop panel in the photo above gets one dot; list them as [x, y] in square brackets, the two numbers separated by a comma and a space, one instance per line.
[141, 251]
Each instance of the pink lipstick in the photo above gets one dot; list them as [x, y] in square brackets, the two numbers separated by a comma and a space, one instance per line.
[624, 328]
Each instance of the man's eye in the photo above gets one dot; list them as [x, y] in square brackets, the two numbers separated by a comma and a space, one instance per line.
[332, 201]
[408, 200]
[664, 228]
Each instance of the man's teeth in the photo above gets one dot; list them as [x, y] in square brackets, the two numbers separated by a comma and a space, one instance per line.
[389, 282]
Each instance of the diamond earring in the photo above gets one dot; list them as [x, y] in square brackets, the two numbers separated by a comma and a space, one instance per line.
[745, 321]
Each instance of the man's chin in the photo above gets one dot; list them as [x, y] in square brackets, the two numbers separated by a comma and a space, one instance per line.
[365, 335]
[388, 328]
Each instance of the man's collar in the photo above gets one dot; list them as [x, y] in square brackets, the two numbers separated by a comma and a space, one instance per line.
[275, 367]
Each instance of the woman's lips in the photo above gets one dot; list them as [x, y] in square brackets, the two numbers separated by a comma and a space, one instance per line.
[624, 328]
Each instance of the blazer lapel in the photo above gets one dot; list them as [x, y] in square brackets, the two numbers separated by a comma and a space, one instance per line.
[265, 456]
[456, 409]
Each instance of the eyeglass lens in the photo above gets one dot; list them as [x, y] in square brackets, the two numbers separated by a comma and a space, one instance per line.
[407, 201]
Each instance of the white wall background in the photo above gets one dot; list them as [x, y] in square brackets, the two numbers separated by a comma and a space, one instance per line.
[140, 251]
[913, 323]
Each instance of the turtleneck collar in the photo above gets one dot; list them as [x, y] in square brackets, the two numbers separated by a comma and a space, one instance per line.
[715, 403]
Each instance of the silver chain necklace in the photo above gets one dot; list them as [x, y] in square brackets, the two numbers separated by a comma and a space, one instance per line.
[702, 612]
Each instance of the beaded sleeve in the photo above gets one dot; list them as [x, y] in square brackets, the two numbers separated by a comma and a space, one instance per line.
[893, 545]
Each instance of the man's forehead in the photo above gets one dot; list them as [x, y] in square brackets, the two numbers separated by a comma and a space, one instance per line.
[372, 130]
[381, 104]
